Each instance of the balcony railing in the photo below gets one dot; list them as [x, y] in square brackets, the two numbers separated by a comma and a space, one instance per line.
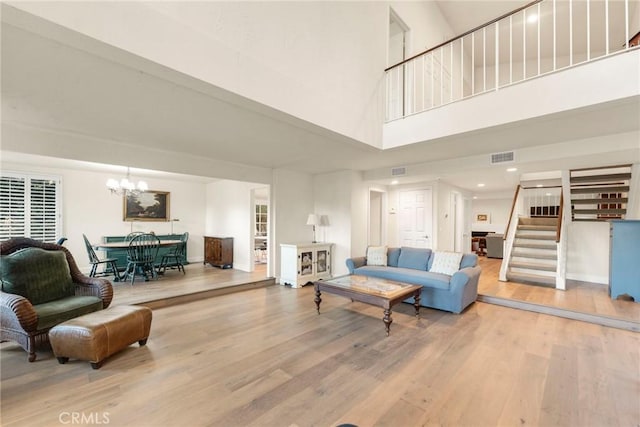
[540, 38]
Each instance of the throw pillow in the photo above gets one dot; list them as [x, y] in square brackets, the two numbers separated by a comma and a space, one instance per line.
[446, 262]
[393, 254]
[377, 255]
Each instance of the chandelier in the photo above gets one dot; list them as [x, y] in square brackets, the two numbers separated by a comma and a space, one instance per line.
[125, 186]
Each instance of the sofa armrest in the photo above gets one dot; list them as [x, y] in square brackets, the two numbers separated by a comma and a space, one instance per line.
[353, 263]
[94, 286]
[465, 277]
[17, 313]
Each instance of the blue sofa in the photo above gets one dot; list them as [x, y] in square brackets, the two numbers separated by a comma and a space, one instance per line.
[411, 265]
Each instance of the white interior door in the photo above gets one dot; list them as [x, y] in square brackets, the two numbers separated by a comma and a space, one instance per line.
[416, 218]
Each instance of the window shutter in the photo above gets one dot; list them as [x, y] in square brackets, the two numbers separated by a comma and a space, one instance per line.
[44, 214]
[12, 207]
[29, 207]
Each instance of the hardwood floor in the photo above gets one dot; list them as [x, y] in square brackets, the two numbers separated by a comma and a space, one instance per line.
[199, 281]
[265, 358]
[580, 297]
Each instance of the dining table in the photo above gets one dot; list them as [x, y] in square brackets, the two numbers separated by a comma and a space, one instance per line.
[125, 244]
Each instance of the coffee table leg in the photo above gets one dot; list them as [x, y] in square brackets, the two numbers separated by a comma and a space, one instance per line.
[387, 319]
[416, 303]
[318, 300]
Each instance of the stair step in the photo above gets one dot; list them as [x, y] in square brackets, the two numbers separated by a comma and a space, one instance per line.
[531, 278]
[599, 211]
[598, 201]
[537, 236]
[601, 189]
[549, 221]
[532, 266]
[533, 255]
[534, 246]
[537, 227]
[601, 178]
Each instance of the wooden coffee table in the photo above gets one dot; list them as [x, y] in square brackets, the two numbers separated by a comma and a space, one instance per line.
[371, 290]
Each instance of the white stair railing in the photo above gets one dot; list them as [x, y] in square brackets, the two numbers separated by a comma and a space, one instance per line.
[540, 38]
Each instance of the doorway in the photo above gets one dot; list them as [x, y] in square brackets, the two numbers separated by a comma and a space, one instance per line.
[396, 52]
[260, 227]
[416, 218]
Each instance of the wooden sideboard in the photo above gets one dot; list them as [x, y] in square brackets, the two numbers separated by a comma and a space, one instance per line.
[218, 251]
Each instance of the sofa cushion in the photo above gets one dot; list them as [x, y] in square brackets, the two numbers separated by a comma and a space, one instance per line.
[377, 255]
[392, 257]
[58, 311]
[416, 258]
[468, 260]
[446, 262]
[36, 274]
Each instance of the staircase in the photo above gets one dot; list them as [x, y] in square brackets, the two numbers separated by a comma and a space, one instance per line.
[533, 257]
[600, 194]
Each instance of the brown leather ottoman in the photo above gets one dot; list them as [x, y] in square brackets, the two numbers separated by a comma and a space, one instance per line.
[98, 335]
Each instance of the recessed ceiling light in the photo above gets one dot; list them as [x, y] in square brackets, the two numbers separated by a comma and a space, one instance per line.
[480, 185]
[547, 194]
[512, 169]
[532, 18]
[475, 197]
[539, 185]
[394, 182]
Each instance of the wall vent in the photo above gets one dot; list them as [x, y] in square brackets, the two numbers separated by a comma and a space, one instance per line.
[505, 157]
[398, 171]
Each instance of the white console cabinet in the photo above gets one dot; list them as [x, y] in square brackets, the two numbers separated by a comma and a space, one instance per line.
[301, 263]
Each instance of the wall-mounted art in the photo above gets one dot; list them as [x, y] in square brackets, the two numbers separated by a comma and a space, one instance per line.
[148, 206]
[482, 217]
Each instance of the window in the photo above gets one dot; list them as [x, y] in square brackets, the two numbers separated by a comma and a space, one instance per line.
[29, 206]
[261, 220]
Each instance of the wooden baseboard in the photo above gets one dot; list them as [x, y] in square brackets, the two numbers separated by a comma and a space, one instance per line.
[196, 296]
[597, 319]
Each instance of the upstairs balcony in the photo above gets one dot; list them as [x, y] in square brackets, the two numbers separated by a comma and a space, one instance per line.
[549, 57]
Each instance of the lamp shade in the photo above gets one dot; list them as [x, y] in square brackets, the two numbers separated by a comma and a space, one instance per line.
[313, 219]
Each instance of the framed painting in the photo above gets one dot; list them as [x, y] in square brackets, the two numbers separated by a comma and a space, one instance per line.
[148, 206]
[482, 218]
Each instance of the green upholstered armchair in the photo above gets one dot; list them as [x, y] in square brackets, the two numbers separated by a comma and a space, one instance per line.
[42, 287]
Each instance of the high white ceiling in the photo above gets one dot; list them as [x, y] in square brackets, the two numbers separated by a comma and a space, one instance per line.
[52, 86]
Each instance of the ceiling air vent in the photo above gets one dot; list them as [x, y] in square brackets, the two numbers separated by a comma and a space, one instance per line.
[506, 157]
[398, 171]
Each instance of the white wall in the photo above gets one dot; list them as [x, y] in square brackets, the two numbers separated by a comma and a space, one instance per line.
[588, 252]
[332, 197]
[281, 54]
[427, 25]
[291, 202]
[230, 213]
[498, 211]
[89, 208]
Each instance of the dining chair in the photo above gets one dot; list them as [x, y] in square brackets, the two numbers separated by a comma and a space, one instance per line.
[173, 259]
[95, 261]
[132, 235]
[141, 256]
